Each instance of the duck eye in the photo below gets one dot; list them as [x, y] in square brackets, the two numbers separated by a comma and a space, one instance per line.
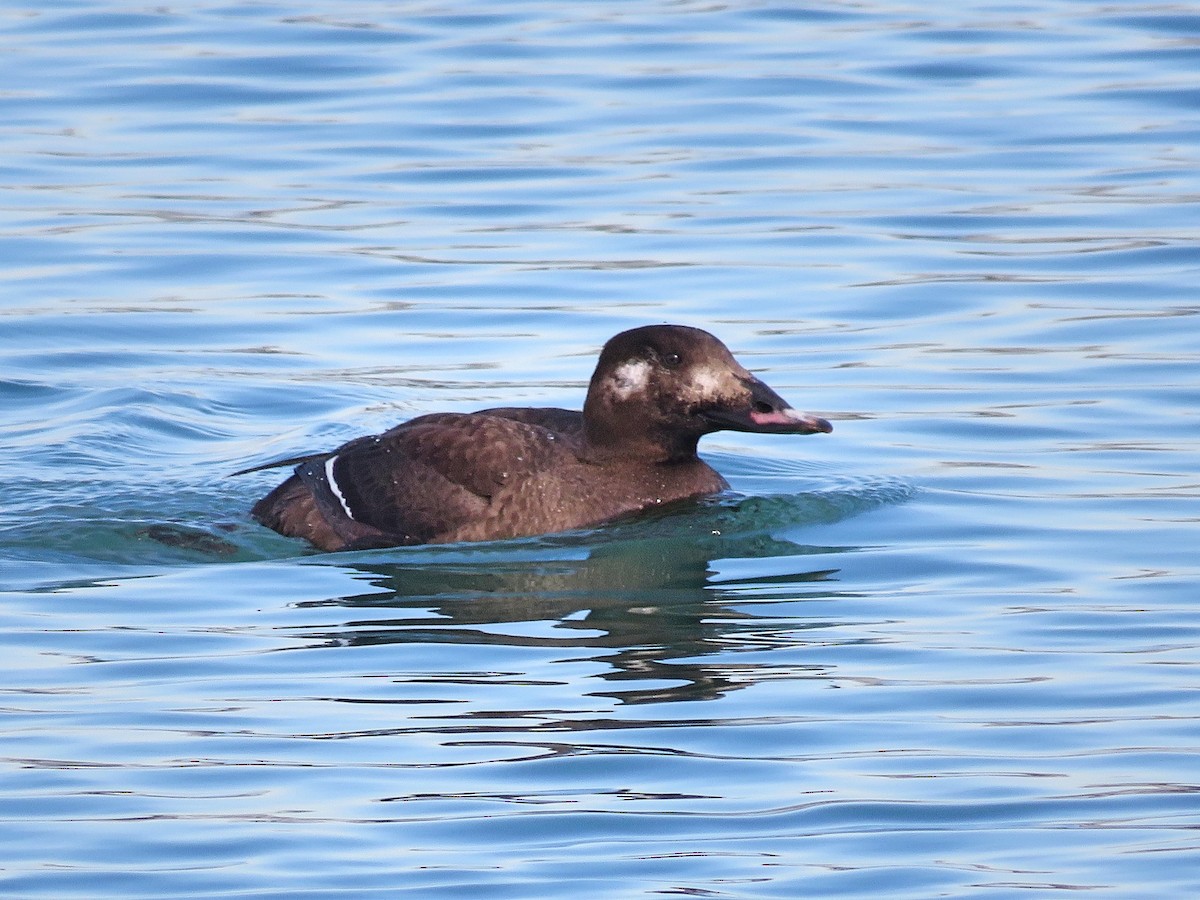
[671, 360]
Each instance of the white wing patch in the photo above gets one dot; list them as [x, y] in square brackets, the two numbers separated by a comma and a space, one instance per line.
[333, 486]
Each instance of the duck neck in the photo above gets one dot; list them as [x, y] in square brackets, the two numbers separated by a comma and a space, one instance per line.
[615, 434]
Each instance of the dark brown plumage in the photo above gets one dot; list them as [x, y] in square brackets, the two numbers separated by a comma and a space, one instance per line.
[510, 472]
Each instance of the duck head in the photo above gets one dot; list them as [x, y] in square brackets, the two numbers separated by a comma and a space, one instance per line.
[660, 388]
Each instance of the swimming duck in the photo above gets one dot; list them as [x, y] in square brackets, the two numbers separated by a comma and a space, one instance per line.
[515, 471]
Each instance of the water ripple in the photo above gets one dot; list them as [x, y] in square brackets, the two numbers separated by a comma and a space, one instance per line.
[950, 650]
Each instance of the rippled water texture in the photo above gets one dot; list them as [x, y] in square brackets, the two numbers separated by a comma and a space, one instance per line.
[951, 649]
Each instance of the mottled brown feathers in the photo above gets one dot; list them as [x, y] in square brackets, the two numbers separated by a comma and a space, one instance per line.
[508, 472]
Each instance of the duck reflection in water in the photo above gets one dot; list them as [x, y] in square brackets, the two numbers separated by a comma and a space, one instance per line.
[644, 600]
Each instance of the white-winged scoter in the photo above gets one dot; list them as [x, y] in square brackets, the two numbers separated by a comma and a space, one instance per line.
[511, 472]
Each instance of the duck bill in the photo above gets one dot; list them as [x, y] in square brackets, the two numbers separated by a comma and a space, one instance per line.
[789, 421]
[764, 411]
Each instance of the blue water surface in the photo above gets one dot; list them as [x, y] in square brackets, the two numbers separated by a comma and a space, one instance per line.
[951, 649]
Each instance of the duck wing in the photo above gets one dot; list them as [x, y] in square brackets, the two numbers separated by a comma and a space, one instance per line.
[566, 422]
[417, 483]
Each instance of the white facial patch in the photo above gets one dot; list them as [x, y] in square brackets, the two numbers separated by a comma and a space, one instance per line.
[709, 382]
[333, 486]
[631, 378]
